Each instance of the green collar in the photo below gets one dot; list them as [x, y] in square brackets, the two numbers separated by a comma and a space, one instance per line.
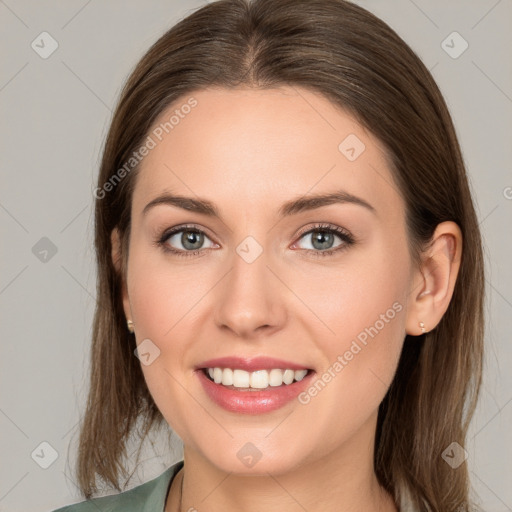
[159, 487]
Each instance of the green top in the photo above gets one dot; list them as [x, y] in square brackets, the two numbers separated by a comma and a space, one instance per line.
[147, 497]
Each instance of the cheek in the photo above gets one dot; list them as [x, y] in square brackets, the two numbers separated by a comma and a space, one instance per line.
[162, 294]
[364, 290]
[166, 299]
[365, 312]
[162, 300]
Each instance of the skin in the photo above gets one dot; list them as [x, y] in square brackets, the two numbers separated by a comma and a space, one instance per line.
[248, 151]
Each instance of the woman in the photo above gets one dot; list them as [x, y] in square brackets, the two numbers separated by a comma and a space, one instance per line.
[287, 242]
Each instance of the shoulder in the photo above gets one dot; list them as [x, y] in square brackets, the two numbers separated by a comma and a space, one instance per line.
[147, 496]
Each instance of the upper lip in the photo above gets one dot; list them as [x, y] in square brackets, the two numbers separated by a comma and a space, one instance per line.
[250, 364]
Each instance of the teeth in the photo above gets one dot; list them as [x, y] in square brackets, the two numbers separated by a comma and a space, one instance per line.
[260, 379]
[217, 375]
[275, 377]
[288, 376]
[241, 378]
[227, 377]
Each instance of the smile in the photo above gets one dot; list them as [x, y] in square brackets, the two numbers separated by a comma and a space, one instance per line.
[243, 398]
[259, 379]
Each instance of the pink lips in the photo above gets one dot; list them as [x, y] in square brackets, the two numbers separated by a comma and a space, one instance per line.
[250, 365]
[251, 402]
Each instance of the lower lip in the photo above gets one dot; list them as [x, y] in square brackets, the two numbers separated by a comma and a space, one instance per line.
[253, 402]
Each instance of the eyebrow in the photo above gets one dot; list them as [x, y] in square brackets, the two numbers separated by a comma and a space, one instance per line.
[289, 208]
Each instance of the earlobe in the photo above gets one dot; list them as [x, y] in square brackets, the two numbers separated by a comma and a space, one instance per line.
[429, 300]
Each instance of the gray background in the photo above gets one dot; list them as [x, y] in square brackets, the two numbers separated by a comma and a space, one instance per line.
[55, 113]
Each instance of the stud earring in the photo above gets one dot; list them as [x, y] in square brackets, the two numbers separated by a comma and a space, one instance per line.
[422, 327]
[129, 323]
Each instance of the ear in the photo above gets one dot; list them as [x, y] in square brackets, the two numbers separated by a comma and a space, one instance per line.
[117, 256]
[434, 282]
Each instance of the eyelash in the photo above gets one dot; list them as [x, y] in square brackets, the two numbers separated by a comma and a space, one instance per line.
[347, 238]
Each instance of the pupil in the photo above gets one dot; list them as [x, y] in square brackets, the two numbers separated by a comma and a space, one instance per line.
[321, 237]
[192, 237]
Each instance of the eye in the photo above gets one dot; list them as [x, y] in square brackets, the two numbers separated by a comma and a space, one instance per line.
[190, 238]
[322, 238]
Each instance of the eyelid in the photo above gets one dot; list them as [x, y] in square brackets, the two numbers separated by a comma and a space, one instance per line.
[166, 233]
[321, 226]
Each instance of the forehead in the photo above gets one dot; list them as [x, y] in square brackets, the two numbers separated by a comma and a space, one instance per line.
[248, 147]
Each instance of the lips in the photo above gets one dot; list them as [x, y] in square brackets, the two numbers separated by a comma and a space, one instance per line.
[250, 364]
[252, 401]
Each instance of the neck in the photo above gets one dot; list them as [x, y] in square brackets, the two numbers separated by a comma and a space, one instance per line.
[343, 480]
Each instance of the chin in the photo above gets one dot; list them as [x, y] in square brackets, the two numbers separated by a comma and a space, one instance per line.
[246, 459]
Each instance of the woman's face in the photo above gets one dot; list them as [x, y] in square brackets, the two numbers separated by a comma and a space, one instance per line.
[265, 280]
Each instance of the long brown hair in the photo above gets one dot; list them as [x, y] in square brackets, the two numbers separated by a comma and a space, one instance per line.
[358, 62]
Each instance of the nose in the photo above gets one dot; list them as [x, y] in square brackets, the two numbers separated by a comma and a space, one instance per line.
[250, 301]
